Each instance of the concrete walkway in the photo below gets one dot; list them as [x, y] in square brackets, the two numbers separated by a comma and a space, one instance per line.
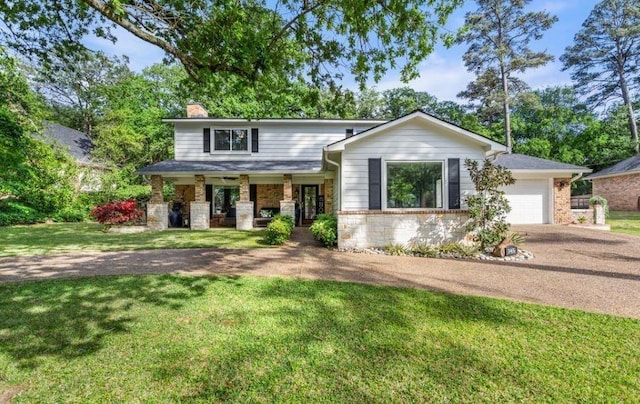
[574, 268]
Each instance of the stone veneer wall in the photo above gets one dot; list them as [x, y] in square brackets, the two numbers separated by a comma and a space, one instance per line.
[244, 215]
[366, 229]
[157, 216]
[199, 215]
[269, 196]
[586, 213]
[562, 201]
[328, 195]
[621, 192]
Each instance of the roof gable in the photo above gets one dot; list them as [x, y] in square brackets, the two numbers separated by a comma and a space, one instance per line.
[628, 166]
[78, 143]
[424, 117]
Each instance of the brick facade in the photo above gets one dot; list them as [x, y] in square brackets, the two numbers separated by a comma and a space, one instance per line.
[287, 187]
[200, 192]
[621, 192]
[157, 185]
[244, 188]
[185, 194]
[268, 196]
[562, 201]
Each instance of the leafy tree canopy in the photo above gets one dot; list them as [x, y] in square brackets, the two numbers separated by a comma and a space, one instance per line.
[250, 39]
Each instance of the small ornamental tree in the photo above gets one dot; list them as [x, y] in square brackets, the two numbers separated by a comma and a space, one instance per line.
[488, 208]
[120, 212]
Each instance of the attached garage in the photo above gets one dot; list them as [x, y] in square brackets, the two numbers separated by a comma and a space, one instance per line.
[529, 200]
[542, 192]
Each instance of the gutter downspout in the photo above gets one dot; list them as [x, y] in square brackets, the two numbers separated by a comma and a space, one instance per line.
[337, 165]
[576, 178]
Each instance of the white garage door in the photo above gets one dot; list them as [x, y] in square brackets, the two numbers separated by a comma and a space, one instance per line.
[529, 200]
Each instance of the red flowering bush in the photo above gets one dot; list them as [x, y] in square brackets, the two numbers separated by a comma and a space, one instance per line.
[117, 213]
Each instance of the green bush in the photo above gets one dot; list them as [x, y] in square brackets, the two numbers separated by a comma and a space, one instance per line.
[279, 230]
[396, 249]
[70, 214]
[12, 213]
[425, 250]
[325, 229]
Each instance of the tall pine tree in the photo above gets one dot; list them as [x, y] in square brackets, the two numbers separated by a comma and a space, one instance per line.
[605, 57]
[498, 34]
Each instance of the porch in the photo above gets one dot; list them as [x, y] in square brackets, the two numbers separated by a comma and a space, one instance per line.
[242, 201]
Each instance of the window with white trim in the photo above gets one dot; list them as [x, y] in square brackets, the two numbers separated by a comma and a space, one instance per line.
[231, 140]
[416, 184]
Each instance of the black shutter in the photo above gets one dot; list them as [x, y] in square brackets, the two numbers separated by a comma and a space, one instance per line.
[253, 197]
[454, 183]
[375, 184]
[206, 140]
[254, 140]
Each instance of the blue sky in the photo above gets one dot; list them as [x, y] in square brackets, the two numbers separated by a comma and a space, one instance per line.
[442, 74]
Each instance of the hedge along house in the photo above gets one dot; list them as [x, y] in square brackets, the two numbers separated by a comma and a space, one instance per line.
[396, 181]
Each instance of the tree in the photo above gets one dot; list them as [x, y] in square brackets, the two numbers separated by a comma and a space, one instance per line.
[74, 90]
[488, 208]
[605, 57]
[498, 34]
[250, 39]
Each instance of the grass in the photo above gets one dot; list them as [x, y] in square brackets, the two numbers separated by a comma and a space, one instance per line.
[173, 339]
[624, 222]
[60, 238]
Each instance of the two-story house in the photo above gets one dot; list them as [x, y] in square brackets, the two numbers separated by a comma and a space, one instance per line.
[397, 181]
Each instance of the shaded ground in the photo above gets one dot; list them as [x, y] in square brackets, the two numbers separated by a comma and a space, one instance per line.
[574, 268]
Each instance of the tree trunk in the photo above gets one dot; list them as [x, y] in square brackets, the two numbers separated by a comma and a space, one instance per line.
[633, 127]
[507, 117]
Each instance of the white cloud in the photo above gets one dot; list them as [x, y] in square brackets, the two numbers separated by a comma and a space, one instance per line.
[441, 77]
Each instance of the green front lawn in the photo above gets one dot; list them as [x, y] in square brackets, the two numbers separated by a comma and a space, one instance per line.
[624, 222]
[171, 339]
[81, 237]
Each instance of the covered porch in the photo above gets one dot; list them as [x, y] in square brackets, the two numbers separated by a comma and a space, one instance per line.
[243, 201]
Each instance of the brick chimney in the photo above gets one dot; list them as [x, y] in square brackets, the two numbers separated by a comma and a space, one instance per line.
[196, 110]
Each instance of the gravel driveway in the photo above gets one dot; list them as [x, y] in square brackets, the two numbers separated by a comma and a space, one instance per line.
[573, 267]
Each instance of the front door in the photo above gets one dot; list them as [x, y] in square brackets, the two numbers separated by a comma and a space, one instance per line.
[309, 203]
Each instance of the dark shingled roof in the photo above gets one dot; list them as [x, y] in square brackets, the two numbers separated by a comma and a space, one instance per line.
[522, 162]
[78, 143]
[175, 166]
[630, 165]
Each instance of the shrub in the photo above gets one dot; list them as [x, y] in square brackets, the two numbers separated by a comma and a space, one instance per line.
[458, 249]
[599, 200]
[279, 229]
[325, 229]
[117, 213]
[425, 250]
[13, 213]
[70, 214]
[396, 249]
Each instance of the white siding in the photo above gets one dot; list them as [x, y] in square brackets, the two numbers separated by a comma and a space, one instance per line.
[409, 142]
[288, 141]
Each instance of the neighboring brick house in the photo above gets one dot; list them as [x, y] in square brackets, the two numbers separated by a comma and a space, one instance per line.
[619, 184]
[397, 181]
[79, 146]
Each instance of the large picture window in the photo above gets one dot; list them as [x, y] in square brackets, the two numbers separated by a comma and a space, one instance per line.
[414, 185]
[231, 140]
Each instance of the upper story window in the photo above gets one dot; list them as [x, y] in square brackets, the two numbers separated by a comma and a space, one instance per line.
[415, 184]
[231, 140]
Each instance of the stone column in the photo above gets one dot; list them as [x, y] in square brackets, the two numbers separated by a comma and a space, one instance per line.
[287, 187]
[244, 188]
[328, 195]
[244, 207]
[199, 210]
[157, 209]
[598, 215]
